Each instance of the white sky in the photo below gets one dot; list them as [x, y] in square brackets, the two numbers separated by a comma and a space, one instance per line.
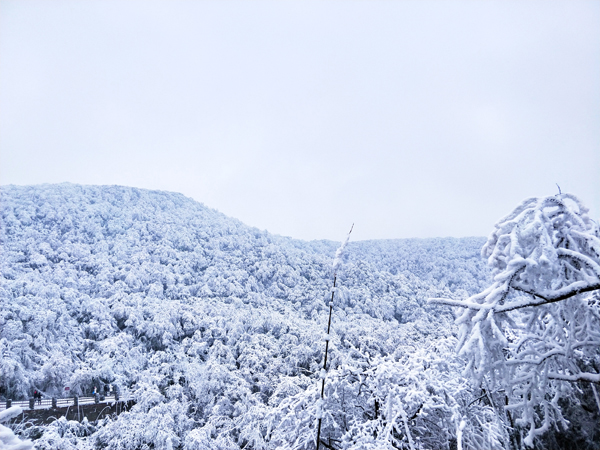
[408, 118]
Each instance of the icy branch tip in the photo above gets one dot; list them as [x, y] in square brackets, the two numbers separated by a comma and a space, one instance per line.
[337, 261]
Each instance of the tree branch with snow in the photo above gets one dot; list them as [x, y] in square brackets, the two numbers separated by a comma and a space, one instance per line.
[536, 329]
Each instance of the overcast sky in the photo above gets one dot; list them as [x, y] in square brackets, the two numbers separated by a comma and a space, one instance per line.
[408, 118]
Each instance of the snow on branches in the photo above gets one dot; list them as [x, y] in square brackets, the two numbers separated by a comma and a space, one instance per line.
[337, 261]
[536, 329]
[547, 248]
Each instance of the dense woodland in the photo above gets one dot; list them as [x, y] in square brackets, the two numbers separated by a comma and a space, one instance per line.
[217, 331]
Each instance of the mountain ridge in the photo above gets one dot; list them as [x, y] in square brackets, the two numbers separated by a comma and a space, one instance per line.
[144, 289]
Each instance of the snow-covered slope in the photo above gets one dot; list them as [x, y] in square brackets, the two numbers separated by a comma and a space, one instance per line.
[216, 328]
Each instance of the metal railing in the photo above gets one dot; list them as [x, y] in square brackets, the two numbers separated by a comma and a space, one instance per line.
[59, 402]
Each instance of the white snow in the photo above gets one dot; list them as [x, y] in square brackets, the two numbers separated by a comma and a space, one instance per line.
[214, 328]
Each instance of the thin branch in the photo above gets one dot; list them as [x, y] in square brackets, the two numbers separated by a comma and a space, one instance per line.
[584, 259]
[460, 303]
[542, 298]
[336, 262]
[576, 288]
[584, 376]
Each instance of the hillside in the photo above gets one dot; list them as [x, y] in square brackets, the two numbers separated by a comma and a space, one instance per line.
[216, 329]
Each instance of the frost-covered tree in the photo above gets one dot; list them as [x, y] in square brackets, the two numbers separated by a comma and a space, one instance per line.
[214, 329]
[535, 332]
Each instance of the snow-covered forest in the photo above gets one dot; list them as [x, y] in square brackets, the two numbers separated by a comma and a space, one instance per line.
[217, 331]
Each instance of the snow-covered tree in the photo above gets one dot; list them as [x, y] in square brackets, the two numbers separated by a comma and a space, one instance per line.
[535, 332]
[215, 329]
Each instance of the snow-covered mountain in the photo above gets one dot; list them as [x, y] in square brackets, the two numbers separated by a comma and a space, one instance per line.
[217, 329]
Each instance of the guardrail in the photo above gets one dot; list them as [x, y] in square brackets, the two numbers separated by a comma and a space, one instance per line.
[60, 402]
